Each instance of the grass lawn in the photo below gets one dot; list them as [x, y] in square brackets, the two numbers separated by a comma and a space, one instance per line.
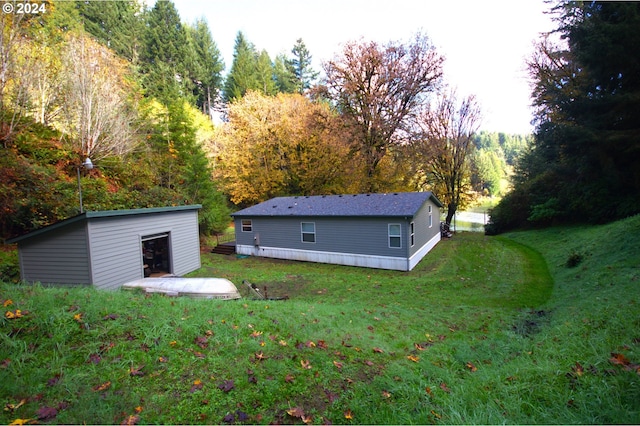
[531, 327]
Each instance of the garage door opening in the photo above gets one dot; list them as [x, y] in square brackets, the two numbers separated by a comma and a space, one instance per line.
[156, 255]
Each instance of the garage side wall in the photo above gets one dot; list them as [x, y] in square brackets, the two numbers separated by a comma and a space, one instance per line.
[61, 258]
[116, 248]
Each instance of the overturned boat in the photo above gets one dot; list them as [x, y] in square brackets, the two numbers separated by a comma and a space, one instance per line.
[208, 288]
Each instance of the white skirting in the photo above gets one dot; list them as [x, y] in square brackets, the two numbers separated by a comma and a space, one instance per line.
[349, 259]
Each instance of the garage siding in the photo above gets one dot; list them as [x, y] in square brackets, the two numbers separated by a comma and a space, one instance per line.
[117, 250]
[61, 258]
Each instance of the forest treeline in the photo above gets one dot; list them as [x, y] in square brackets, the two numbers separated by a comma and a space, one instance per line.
[584, 162]
[142, 94]
[145, 96]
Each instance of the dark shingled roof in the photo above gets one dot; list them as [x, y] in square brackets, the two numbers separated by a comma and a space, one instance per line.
[372, 205]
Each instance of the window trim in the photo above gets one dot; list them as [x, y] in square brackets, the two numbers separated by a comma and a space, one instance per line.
[244, 227]
[303, 232]
[412, 233]
[430, 217]
[398, 236]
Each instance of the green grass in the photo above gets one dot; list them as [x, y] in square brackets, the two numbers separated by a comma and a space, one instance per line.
[483, 330]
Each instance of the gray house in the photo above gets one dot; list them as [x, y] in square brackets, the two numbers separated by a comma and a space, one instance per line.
[110, 248]
[386, 231]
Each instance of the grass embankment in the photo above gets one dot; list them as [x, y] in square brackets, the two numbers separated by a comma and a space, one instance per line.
[477, 333]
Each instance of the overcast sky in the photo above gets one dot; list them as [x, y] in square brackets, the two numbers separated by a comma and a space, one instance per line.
[485, 42]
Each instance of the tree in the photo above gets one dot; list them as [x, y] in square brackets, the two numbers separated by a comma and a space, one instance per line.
[242, 76]
[303, 73]
[378, 90]
[206, 67]
[97, 110]
[444, 147]
[119, 25]
[280, 145]
[165, 54]
[586, 91]
[283, 75]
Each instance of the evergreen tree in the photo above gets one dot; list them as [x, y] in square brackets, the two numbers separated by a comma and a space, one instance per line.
[265, 74]
[584, 163]
[242, 76]
[283, 74]
[165, 54]
[206, 66]
[301, 66]
[117, 24]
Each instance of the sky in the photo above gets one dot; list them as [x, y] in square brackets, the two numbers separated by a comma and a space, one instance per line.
[485, 42]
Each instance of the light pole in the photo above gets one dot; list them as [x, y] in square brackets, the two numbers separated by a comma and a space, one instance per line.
[87, 164]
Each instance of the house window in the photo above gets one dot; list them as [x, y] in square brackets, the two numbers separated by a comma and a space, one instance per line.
[247, 226]
[395, 238]
[308, 232]
[430, 218]
[413, 234]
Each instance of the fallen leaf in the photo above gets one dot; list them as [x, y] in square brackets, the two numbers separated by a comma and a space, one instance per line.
[110, 317]
[444, 387]
[197, 385]
[136, 371]
[78, 317]
[386, 394]
[578, 369]
[338, 365]
[282, 343]
[12, 407]
[256, 333]
[46, 413]
[162, 359]
[7, 302]
[289, 378]
[413, 358]
[348, 414]
[202, 341]
[305, 364]
[296, 412]
[15, 314]
[138, 409]
[226, 386]
[471, 366]
[322, 344]
[378, 350]
[20, 422]
[429, 391]
[130, 420]
[54, 380]
[618, 359]
[260, 356]
[94, 358]
[102, 387]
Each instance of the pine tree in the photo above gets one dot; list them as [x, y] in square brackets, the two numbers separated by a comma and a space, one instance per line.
[206, 71]
[301, 66]
[242, 76]
[165, 54]
[117, 24]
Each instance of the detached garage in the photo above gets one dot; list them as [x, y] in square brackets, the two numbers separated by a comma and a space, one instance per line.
[110, 248]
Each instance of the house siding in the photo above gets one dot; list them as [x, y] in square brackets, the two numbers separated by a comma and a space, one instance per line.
[358, 235]
[116, 246]
[62, 258]
[423, 233]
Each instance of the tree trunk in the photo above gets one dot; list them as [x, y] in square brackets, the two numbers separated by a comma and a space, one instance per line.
[451, 210]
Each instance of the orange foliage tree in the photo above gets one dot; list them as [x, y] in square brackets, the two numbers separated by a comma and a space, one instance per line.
[280, 145]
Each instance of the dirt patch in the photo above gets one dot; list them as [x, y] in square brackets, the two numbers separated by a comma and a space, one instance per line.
[531, 323]
[294, 286]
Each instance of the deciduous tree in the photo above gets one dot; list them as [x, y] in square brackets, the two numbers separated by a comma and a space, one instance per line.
[280, 145]
[379, 89]
[444, 146]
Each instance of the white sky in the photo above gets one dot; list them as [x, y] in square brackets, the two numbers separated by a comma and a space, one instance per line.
[485, 42]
